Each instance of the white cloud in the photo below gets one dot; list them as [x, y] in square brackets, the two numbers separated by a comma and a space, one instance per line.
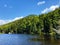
[7, 21]
[40, 3]
[51, 8]
[17, 18]
[4, 22]
[5, 5]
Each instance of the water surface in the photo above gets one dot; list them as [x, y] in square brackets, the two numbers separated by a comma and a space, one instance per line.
[16, 39]
[22, 39]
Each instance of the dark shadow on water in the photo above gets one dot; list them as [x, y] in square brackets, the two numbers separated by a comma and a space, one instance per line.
[47, 40]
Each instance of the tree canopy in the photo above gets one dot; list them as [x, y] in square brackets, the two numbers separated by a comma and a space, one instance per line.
[33, 24]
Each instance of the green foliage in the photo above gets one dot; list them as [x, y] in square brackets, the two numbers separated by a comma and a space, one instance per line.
[33, 24]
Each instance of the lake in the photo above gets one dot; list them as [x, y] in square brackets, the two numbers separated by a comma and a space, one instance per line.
[23, 39]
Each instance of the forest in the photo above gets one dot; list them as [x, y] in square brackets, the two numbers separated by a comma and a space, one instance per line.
[34, 24]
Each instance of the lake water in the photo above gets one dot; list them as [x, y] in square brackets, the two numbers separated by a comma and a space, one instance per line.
[21, 39]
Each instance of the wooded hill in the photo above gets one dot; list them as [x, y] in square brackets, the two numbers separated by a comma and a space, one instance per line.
[34, 24]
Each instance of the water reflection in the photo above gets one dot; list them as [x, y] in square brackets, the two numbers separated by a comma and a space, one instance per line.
[17, 39]
[22, 39]
[47, 40]
[50, 42]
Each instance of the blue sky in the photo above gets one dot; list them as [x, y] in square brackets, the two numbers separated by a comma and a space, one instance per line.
[15, 9]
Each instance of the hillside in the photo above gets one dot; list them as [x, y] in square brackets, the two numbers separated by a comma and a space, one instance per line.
[33, 24]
